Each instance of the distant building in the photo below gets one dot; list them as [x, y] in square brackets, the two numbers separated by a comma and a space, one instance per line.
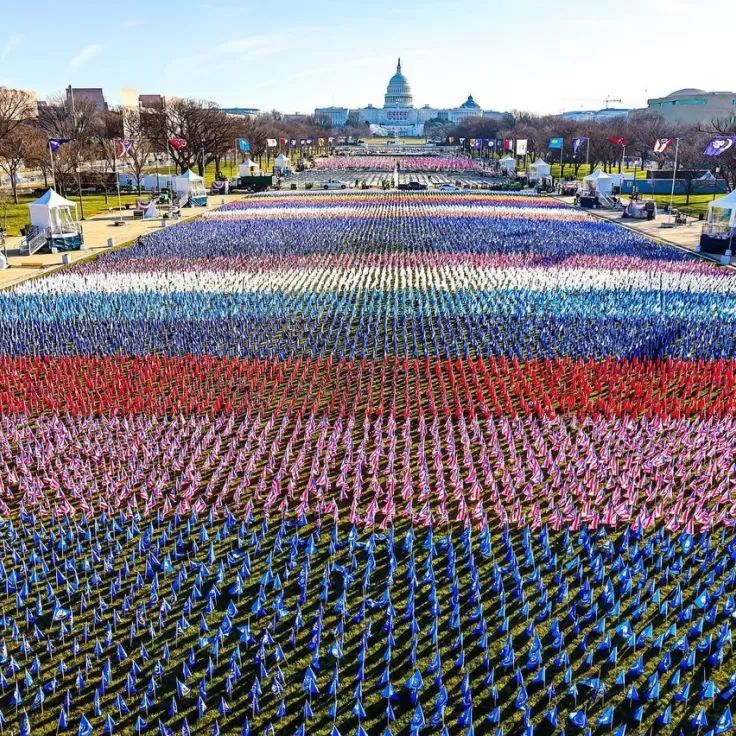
[694, 105]
[338, 116]
[586, 116]
[398, 116]
[245, 112]
[74, 94]
[151, 101]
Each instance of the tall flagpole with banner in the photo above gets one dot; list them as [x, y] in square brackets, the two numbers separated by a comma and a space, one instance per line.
[674, 175]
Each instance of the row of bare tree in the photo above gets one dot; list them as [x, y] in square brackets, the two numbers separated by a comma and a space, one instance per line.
[90, 157]
[640, 129]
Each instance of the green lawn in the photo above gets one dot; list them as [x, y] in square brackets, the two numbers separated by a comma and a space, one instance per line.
[17, 214]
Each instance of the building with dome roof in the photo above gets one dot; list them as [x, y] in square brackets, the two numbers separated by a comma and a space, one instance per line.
[398, 116]
[692, 105]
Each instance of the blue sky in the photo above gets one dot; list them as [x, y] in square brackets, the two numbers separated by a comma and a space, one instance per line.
[294, 56]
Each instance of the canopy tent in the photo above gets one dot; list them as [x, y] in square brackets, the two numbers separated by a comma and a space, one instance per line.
[53, 214]
[507, 163]
[708, 176]
[157, 182]
[191, 188]
[249, 168]
[722, 216]
[538, 170]
[281, 163]
[599, 181]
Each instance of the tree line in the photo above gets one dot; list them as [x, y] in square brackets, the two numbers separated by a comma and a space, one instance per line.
[89, 156]
[640, 129]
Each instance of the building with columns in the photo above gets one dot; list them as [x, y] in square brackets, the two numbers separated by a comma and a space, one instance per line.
[398, 116]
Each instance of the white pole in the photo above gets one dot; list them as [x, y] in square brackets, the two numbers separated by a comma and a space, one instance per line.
[587, 156]
[117, 179]
[53, 175]
[674, 174]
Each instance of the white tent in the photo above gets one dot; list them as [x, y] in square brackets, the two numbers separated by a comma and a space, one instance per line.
[538, 170]
[52, 210]
[281, 163]
[52, 213]
[708, 176]
[249, 168]
[507, 163]
[722, 215]
[155, 181]
[191, 187]
[599, 181]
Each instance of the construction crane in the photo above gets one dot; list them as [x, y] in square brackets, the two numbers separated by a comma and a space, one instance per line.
[608, 100]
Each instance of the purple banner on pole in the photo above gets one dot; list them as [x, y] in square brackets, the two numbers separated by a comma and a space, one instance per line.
[720, 145]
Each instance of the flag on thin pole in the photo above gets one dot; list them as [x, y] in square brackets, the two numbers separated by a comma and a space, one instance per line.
[662, 144]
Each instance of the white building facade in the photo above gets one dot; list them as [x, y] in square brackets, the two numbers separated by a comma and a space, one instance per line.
[399, 117]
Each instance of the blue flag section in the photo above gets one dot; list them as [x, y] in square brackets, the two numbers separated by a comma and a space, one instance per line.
[467, 628]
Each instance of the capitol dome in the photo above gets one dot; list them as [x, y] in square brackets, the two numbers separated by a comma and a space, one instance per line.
[398, 92]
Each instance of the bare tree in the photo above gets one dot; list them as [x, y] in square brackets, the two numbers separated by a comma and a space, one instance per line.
[79, 121]
[13, 150]
[37, 153]
[16, 108]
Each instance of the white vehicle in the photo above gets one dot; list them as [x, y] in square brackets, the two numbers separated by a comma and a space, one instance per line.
[334, 184]
[447, 188]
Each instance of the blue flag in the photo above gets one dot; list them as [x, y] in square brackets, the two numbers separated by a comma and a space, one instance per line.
[244, 144]
[555, 142]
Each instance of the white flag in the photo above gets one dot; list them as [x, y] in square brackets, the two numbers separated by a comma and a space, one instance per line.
[521, 146]
[272, 142]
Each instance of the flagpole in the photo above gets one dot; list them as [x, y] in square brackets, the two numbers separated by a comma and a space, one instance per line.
[53, 174]
[117, 179]
[587, 156]
[674, 174]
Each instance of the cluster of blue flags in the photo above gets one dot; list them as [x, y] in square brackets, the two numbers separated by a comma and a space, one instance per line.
[116, 623]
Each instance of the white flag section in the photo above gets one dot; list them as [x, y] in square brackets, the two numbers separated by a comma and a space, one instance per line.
[272, 142]
[521, 147]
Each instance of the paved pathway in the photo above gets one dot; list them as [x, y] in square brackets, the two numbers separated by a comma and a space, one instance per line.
[97, 230]
[685, 237]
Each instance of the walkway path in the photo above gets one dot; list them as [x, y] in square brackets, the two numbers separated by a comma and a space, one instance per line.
[685, 237]
[97, 231]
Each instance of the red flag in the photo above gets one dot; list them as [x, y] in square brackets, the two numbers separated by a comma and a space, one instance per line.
[177, 143]
[618, 141]
[283, 141]
[508, 144]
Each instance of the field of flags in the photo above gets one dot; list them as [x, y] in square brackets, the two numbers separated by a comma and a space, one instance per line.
[370, 463]
[374, 162]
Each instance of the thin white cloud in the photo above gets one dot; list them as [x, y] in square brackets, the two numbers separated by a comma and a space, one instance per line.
[131, 23]
[13, 43]
[87, 53]
[229, 52]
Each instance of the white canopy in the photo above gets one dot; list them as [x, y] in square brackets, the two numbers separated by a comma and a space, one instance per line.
[281, 162]
[51, 210]
[539, 169]
[600, 181]
[722, 212]
[248, 168]
[188, 182]
[708, 176]
[508, 163]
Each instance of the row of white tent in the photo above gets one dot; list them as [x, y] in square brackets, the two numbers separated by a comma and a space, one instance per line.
[187, 183]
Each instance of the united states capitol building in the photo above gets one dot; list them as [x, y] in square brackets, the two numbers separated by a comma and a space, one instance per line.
[398, 116]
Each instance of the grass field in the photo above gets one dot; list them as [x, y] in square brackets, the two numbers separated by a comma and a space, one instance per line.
[94, 204]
